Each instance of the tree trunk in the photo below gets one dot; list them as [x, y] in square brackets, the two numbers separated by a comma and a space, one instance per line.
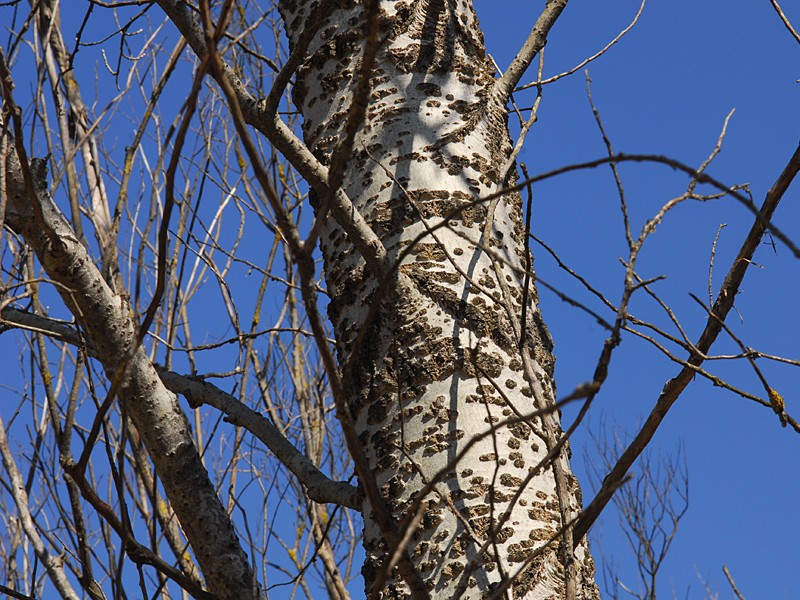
[442, 384]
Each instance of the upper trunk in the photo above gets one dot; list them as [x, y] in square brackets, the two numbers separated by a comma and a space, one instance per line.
[441, 363]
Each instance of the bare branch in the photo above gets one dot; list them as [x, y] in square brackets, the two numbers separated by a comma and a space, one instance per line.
[284, 139]
[540, 82]
[537, 39]
[54, 567]
[318, 486]
[675, 386]
[109, 327]
[785, 21]
[729, 577]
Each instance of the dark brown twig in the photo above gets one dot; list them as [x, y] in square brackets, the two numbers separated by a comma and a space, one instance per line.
[675, 386]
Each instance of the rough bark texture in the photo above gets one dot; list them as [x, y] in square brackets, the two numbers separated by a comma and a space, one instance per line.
[440, 364]
[107, 321]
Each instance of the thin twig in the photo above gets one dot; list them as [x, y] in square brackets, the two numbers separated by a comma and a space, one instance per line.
[786, 22]
[733, 584]
[674, 387]
[540, 82]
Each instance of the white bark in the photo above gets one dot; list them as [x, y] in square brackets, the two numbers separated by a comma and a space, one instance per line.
[440, 364]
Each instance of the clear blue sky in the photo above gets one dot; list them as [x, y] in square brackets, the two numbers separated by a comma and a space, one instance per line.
[666, 89]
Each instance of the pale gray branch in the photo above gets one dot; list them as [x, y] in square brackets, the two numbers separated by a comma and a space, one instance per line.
[537, 39]
[320, 488]
[53, 566]
[785, 20]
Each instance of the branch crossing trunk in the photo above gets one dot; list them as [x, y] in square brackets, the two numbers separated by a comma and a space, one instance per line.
[438, 387]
